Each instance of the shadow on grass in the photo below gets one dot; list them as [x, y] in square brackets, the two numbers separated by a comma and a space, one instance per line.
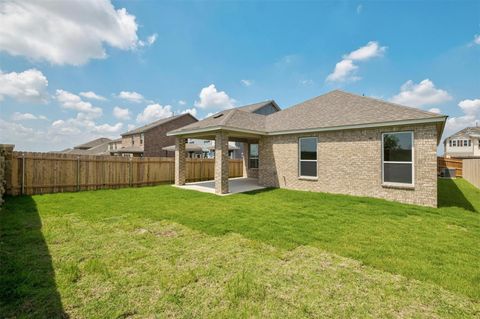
[27, 278]
[449, 195]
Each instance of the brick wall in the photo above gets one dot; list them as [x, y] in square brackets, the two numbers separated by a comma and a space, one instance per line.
[157, 138]
[6, 153]
[349, 162]
[127, 140]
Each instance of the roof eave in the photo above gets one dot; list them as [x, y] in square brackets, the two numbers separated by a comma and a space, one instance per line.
[439, 119]
[358, 126]
[213, 129]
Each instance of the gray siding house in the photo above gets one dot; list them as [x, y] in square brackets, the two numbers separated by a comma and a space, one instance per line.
[337, 142]
[464, 143]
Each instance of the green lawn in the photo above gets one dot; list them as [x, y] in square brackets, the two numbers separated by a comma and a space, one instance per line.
[165, 252]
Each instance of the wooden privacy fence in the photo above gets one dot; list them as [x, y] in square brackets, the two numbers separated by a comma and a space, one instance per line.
[40, 173]
[471, 171]
[443, 162]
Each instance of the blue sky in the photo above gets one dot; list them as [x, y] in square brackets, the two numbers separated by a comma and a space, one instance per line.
[171, 57]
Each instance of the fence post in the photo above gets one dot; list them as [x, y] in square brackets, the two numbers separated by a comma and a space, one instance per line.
[23, 173]
[130, 171]
[78, 173]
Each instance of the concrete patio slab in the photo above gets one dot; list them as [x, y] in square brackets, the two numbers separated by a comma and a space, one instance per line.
[235, 185]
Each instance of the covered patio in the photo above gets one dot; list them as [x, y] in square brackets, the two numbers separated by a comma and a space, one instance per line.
[235, 185]
[221, 184]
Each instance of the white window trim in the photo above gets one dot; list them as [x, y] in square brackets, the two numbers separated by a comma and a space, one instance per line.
[300, 158]
[412, 184]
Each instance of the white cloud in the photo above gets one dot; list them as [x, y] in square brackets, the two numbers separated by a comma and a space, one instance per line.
[470, 107]
[345, 69]
[435, 110]
[82, 126]
[423, 93]
[154, 112]
[17, 116]
[371, 50]
[66, 32]
[93, 96]
[121, 113]
[209, 114]
[131, 96]
[359, 9]
[470, 117]
[306, 82]
[182, 102]
[12, 132]
[192, 111]
[74, 102]
[247, 82]
[211, 98]
[476, 39]
[150, 40]
[107, 128]
[29, 85]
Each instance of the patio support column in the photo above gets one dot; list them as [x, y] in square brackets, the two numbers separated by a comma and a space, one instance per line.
[221, 163]
[180, 161]
[245, 159]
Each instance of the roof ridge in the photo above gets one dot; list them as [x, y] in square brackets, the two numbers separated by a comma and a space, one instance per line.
[388, 102]
[159, 121]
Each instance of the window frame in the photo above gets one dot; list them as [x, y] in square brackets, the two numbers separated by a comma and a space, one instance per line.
[300, 158]
[412, 162]
[257, 157]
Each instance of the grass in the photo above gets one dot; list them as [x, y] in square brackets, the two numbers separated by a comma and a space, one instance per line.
[161, 251]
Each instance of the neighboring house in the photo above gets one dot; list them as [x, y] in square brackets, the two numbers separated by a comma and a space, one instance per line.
[463, 144]
[114, 145]
[196, 148]
[149, 139]
[98, 146]
[338, 143]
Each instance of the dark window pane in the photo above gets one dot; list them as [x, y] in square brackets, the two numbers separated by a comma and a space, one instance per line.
[253, 150]
[397, 147]
[308, 148]
[253, 163]
[397, 173]
[308, 169]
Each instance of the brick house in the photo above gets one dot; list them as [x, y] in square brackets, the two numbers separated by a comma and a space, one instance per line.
[337, 143]
[149, 139]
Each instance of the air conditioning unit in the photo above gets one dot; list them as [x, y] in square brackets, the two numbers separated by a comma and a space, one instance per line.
[448, 172]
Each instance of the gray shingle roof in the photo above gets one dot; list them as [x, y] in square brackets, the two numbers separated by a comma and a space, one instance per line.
[233, 118]
[149, 126]
[331, 110]
[101, 149]
[253, 107]
[338, 108]
[93, 143]
[466, 132]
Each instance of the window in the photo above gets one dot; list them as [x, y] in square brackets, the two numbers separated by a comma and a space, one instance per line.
[397, 157]
[455, 143]
[133, 141]
[141, 139]
[307, 157]
[252, 155]
[450, 143]
[469, 142]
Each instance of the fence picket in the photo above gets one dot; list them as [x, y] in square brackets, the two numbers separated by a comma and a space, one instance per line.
[37, 173]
